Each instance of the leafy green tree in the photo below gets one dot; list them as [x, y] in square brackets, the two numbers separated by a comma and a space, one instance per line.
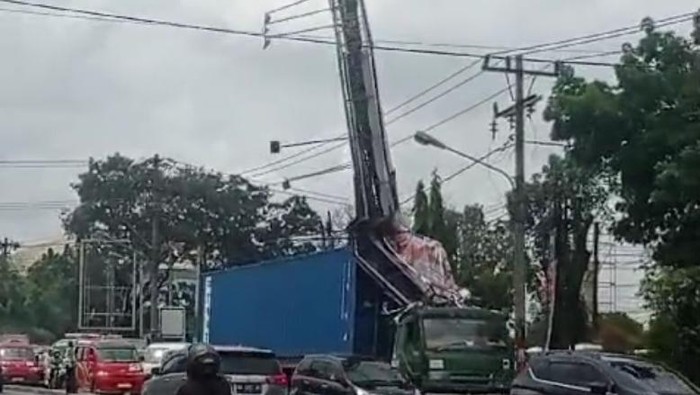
[52, 292]
[228, 218]
[484, 258]
[233, 220]
[563, 201]
[421, 211]
[618, 332]
[13, 302]
[480, 252]
[672, 293]
[642, 132]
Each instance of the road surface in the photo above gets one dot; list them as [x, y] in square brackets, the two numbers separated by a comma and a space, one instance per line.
[22, 390]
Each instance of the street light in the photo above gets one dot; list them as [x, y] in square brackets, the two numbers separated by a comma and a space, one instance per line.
[424, 138]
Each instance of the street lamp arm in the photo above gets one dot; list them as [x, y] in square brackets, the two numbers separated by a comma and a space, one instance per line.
[483, 163]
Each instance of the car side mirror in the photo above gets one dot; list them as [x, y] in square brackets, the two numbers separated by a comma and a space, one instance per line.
[155, 371]
[600, 388]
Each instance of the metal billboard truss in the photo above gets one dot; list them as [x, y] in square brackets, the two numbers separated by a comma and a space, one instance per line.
[108, 286]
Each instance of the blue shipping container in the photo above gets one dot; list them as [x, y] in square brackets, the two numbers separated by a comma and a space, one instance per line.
[293, 306]
[317, 303]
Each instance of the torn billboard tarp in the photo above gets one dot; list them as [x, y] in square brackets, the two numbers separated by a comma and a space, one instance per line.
[428, 260]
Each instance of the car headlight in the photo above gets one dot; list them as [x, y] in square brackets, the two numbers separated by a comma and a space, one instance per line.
[360, 391]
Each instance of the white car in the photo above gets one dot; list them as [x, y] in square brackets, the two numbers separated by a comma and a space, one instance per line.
[154, 353]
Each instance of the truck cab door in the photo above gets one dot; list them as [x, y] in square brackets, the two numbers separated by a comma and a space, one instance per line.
[407, 349]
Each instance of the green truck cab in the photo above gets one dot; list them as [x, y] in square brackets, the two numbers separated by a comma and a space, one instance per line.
[454, 350]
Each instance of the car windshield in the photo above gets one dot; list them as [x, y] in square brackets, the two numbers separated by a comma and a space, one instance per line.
[443, 333]
[118, 354]
[16, 353]
[262, 364]
[375, 373]
[654, 376]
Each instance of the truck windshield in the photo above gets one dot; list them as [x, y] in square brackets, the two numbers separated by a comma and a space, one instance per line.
[373, 373]
[123, 354]
[446, 333]
[16, 353]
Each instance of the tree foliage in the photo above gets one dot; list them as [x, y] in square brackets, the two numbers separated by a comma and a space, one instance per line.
[619, 333]
[563, 200]
[480, 252]
[42, 302]
[643, 132]
[233, 220]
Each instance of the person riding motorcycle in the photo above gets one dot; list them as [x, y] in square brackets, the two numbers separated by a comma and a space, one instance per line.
[55, 367]
[203, 365]
[69, 365]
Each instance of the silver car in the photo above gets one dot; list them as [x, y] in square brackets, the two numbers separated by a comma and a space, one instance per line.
[250, 371]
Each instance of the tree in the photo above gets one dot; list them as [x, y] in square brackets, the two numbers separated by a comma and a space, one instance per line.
[563, 201]
[52, 292]
[190, 209]
[233, 220]
[479, 252]
[13, 302]
[484, 258]
[421, 211]
[643, 132]
[619, 333]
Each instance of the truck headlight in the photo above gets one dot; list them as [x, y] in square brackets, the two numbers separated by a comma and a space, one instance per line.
[360, 391]
[436, 364]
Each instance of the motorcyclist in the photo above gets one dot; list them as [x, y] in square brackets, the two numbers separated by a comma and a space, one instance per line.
[55, 361]
[69, 366]
[203, 364]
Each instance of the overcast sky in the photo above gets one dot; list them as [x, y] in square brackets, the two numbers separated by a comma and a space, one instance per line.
[73, 89]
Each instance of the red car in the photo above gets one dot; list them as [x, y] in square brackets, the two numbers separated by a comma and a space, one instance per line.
[109, 367]
[19, 364]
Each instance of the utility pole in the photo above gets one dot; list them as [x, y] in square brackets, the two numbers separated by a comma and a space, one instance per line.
[517, 111]
[155, 246]
[596, 269]
[6, 247]
[197, 291]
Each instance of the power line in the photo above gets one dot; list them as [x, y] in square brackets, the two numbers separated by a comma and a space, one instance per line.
[395, 119]
[112, 17]
[594, 37]
[463, 169]
[434, 86]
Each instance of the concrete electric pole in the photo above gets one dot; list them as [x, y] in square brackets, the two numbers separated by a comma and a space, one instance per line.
[517, 111]
[155, 247]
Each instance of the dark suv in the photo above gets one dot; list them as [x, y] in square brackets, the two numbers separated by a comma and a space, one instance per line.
[250, 371]
[574, 373]
[333, 375]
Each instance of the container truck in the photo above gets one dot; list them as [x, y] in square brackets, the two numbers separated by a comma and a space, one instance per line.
[325, 303]
[390, 294]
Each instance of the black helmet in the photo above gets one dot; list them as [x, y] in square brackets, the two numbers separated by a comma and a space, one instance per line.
[202, 361]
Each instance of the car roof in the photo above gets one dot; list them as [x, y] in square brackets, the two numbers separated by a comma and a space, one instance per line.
[168, 345]
[106, 343]
[343, 357]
